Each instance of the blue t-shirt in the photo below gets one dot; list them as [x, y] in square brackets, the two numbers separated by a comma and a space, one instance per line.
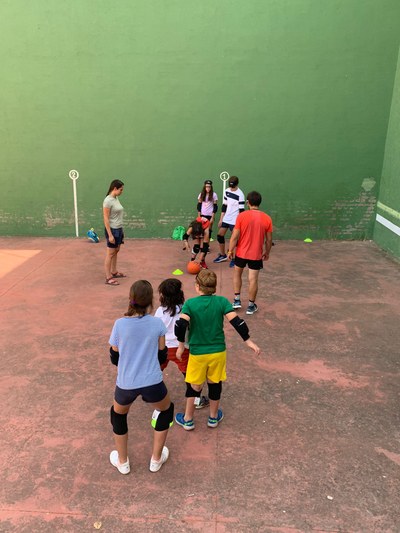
[137, 342]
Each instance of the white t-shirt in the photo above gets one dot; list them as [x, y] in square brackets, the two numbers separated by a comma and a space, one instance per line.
[116, 211]
[234, 200]
[169, 321]
[207, 207]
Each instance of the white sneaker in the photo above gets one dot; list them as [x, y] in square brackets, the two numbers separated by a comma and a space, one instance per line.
[156, 465]
[114, 460]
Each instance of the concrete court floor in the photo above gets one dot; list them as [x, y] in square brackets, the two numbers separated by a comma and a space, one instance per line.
[311, 435]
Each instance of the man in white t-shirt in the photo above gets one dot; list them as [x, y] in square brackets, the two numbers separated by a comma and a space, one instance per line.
[232, 205]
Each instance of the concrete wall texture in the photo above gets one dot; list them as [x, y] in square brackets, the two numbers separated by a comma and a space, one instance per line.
[293, 96]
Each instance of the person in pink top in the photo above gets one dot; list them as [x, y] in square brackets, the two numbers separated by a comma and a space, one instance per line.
[207, 204]
[252, 237]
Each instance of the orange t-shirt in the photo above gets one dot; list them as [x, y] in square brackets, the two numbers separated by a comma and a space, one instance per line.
[253, 226]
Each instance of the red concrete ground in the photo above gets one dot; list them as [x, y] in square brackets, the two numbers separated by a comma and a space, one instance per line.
[311, 435]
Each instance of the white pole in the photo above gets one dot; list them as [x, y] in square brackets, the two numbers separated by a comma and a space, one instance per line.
[74, 175]
[224, 176]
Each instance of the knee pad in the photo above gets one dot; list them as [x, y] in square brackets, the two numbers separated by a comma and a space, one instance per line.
[196, 248]
[221, 239]
[162, 420]
[214, 390]
[191, 393]
[205, 248]
[119, 422]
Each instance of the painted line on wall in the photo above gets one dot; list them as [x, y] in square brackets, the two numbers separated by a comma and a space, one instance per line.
[388, 224]
[389, 210]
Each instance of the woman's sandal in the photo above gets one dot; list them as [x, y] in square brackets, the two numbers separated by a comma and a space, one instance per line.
[111, 281]
[118, 275]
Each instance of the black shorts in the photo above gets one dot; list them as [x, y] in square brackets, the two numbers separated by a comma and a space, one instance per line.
[228, 226]
[151, 394]
[208, 217]
[118, 236]
[253, 264]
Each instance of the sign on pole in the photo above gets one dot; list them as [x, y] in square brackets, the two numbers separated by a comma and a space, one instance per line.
[74, 175]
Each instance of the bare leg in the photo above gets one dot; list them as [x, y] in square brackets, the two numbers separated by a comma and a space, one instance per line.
[237, 279]
[108, 261]
[160, 437]
[253, 284]
[189, 411]
[222, 232]
[121, 441]
[114, 261]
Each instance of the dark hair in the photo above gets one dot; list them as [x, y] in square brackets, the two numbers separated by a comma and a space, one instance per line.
[207, 196]
[115, 184]
[140, 298]
[197, 229]
[207, 281]
[171, 295]
[233, 181]
[254, 198]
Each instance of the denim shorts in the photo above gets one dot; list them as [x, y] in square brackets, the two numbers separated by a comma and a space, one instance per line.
[118, 234]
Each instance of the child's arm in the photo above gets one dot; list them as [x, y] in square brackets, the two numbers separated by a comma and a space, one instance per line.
[114, 355]
[181, 326]
[185, 238]
[241, 327]
[162, 350]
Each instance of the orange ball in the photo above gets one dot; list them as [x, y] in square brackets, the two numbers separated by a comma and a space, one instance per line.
[193, 268]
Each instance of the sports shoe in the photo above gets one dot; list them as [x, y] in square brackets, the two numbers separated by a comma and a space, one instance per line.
[213, 422]
[203, 264]
[204, 402]
[232, 263]
[114, 460]
[180, 420]
[156, 465]
[237, 304]
[251, 309]
[221, 258]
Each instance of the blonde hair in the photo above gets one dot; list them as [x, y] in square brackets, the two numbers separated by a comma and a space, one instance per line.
[207, 281]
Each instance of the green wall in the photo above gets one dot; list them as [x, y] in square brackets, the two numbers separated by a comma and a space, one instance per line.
[293, 96]
[387, 226]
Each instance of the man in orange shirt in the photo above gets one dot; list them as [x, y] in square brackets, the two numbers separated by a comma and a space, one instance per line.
[252, 237]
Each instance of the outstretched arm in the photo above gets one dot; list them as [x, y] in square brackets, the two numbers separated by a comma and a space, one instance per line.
[241, 327]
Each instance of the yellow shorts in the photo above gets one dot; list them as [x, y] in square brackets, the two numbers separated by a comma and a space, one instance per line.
[211, 366]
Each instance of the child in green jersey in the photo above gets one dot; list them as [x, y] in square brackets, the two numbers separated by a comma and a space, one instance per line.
[207, 358]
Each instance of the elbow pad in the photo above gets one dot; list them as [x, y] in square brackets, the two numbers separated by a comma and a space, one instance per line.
[114, 356]
[181, 325]
[241, 327]
[199, 207]
[223, 208]
[215, 208]
[162, 355]
[185, 237]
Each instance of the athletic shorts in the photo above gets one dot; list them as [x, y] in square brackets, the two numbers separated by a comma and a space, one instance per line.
[228, 226]
[211, 366]
[151, 394]
[171, 356]
[118, 236]
[253, 264]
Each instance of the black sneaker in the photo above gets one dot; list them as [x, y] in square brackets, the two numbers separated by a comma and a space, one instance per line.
[236, 304]
[251, 309]
[221, 258]
[204, 402]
